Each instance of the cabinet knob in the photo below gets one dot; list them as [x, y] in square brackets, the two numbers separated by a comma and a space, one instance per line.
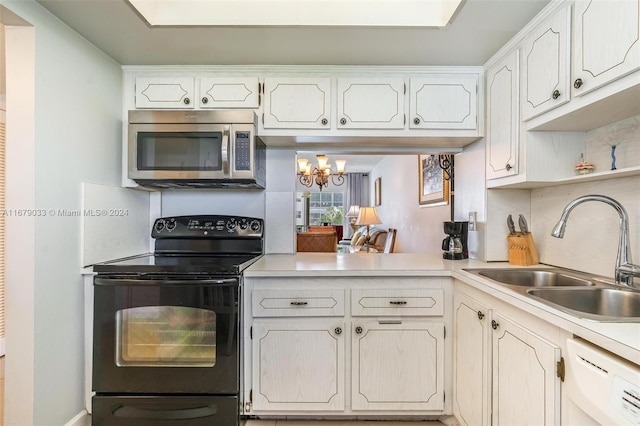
[494, 324]
[186, 101]
[205, 100]
[398, 302]
[508, 167]
[578, 83]
[416, 121]
[295, 303]
[337, 330]
[358, 330]
[343, 121]
[480, 315]
[324, 121]
[555, 94]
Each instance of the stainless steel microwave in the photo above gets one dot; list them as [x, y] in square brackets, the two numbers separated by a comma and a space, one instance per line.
[195, 149]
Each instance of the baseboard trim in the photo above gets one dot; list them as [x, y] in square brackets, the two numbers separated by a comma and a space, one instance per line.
[81, 419]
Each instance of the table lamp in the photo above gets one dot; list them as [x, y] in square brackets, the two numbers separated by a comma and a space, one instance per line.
[353, 214]
[368, 216]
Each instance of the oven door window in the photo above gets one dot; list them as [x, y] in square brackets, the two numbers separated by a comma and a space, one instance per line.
[165, 336]
[182, 151]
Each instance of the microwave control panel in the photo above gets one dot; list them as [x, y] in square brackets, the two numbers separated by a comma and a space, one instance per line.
[243, 151]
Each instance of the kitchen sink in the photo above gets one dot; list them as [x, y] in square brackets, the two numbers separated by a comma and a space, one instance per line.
[535, 277]
[600, 304]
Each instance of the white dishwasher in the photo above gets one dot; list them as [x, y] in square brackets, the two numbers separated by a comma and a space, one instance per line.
[605, 387]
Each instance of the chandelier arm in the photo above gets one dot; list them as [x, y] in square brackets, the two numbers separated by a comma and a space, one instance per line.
[340, 179]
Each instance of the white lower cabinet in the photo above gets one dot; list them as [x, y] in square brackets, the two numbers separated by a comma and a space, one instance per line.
[504, 374]
[472, 353]
[298, 365]
[525, 386]
[373, 349]
[397, 365]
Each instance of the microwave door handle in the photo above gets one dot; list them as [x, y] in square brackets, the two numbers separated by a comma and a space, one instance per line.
[226, 145]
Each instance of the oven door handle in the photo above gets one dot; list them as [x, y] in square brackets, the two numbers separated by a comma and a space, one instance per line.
[163, 282]
[167, 414]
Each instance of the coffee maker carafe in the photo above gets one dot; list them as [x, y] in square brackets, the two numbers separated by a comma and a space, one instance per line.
[455, 246]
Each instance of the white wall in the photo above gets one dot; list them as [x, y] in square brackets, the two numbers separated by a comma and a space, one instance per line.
[419, 227]
[591, 238]
[77, 95]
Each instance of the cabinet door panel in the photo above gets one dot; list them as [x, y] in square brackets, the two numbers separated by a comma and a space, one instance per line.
[443, 103]
[298, 365]
[371, 103]
[503, 118]
[159, 92]
[397, 366]
[525, 387]
[472, 354]
[297, 103]
[545, 72]
[607, 41]
[232, 92]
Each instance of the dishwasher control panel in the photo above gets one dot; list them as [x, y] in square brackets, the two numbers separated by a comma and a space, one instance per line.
[625, 399]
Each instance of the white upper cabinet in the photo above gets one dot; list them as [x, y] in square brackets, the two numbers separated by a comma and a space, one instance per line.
[443, 102]
[371, 103]
[297, 103]
[161, 92]
[606, 42]
[502, 118]
[545, 65]
[229, 92]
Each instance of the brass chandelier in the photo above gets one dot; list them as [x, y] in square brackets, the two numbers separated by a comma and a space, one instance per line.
[320, 175]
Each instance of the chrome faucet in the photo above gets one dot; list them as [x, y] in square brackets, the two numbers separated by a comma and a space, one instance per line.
[625, 269]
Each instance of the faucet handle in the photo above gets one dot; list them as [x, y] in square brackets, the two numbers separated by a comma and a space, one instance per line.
[626, 273]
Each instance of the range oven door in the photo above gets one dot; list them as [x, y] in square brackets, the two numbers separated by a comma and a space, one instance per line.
[160, 336]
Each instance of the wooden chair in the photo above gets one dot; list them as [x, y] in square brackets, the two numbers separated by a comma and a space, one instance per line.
[390, 241]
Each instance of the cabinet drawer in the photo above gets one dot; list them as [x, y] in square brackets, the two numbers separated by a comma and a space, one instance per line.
[397, 302]
[298, 303]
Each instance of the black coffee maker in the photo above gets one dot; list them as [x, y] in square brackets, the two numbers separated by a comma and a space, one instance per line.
[455, 245]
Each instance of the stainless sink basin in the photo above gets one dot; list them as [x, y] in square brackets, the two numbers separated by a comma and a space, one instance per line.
[534, 277]
[600, 304]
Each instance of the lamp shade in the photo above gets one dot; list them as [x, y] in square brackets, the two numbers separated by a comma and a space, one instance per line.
[368, 216]
[353, 211]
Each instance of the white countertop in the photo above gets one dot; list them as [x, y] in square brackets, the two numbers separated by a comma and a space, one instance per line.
[620, 338]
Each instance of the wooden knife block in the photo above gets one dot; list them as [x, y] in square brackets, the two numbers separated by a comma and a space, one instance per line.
[522, 249]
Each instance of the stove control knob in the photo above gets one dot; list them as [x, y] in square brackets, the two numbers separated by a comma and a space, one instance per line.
[231, 224]
[171, 225]
[255, 226]
[159, 226]
[244, 225]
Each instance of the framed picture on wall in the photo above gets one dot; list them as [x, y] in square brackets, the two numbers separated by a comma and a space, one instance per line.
[433, 189]
[378, 191]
